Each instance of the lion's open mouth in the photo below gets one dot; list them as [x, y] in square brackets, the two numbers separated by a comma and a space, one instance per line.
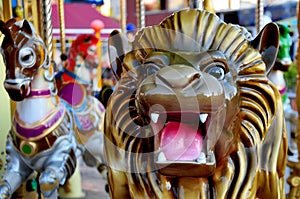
[182, 145]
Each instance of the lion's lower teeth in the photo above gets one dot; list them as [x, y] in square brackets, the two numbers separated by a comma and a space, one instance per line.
[208, 159]
[154, 117]
[161, 157]
[211, 158]
[201, 159]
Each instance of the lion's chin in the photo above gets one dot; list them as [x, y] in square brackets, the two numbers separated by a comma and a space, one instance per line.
[204, 166]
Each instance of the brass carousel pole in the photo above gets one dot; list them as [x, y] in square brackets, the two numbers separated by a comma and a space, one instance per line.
[7, 9]
[62, 25]
[294, 178]
[31, 13]
[123, 15]
[208, 5]
[140, 10]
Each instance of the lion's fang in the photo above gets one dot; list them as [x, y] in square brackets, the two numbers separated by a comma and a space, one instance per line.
[154, 117]
[161, 157]
[168, 186]
[203, 117]
[211, 158]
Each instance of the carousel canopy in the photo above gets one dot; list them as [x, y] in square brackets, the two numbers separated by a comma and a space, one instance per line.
[78, 19]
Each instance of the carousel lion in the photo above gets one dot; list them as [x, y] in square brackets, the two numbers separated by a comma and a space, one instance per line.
[193, 114]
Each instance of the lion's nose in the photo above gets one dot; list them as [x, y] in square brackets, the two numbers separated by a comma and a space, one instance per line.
[178, 76]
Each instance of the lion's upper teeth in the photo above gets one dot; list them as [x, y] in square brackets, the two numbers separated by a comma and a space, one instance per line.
[154, 117]
[203, 117]
[168, 186]
[161, 157]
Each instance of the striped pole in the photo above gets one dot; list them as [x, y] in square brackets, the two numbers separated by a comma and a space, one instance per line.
[196, 4]
[140, 10]
[47, 26]
[259, 15]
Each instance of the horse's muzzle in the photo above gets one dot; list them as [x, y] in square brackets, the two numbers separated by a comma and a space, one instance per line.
[17, 89]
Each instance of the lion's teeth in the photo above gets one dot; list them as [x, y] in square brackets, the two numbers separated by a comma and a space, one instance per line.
[154, 117]
[211, 158]
[161, 157]
[168, 186]
[203, 117]
[201, 159]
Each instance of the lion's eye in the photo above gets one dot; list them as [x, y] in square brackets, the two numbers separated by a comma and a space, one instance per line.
[27, 57]
[217, 72]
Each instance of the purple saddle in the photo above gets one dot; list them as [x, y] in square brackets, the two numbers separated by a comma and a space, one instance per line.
[73, 93]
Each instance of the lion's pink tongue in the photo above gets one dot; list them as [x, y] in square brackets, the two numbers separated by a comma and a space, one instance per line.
[181, 141]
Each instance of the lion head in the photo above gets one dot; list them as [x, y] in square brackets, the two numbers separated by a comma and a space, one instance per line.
[193, 114]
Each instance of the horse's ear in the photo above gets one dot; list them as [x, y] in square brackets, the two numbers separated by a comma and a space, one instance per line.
[116, 51]
[267, 42]
[27, 27]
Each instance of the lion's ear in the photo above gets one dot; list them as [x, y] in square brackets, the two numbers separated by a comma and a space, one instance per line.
[116, 51]
[267, 42]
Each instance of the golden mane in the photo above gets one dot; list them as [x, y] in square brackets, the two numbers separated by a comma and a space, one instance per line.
[260, 111]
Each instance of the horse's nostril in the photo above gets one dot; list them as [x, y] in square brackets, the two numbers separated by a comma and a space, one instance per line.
[22, 89]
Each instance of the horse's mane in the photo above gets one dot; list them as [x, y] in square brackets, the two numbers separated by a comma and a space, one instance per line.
[80, 46]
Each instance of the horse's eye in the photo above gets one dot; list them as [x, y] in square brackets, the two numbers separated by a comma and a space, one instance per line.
[27, 57]
[217, 71]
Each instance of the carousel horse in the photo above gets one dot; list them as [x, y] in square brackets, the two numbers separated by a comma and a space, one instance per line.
[193, 114]
[82, 59]
[42, 137]
[276, 75]
[75, 87]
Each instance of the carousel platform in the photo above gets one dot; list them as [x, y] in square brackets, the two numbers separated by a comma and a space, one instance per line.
[93, 184]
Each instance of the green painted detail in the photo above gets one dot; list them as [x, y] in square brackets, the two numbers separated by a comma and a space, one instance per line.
[285, 41]
[34, 185]
[284, 97]
[26, 149]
